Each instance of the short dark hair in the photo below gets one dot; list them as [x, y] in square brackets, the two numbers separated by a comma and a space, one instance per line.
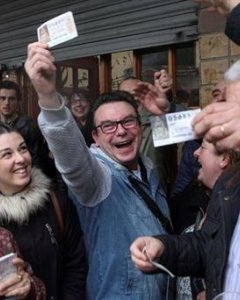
[82, 93]
[116, 96]
[11, 85]
[5, 128]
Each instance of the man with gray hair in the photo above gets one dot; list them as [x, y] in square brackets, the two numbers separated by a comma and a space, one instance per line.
[212, 252]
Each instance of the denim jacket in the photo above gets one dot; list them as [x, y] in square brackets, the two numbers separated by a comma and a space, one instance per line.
[111, 213]
[110, 227]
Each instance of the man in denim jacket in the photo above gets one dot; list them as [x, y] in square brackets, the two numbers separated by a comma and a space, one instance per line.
[112, 213]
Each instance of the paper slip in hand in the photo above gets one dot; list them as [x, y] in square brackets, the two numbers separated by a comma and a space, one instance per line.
[173, 128]
[58, 30]
[157, 265]
[6, 265]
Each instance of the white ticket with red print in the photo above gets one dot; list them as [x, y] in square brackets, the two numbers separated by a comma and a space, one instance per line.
[58, 30]
[173, 127]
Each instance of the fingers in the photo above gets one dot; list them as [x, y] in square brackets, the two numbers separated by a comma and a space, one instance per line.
[229, 141]
[41, 71]
[213, 115]
[142, 89]
[163, 80]
[39, 58]
[219, 124]
[139, 257]
[18, 285]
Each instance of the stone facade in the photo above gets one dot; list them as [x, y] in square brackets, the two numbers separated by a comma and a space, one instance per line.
[216, 52]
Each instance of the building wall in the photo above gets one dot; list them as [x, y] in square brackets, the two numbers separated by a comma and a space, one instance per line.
[216, 52]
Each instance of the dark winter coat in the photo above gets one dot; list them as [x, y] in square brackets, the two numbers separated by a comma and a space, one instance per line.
[204, 253]
[57, 258]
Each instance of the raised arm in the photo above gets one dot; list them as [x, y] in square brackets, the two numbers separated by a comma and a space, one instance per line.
[154, 97]
[41, 70]
[83, 174]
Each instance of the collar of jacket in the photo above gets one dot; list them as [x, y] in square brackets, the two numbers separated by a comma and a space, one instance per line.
[20, 206]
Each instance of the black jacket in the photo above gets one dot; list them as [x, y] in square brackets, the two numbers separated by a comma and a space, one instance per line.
[232, 29]
[57, 258]
[204, 253]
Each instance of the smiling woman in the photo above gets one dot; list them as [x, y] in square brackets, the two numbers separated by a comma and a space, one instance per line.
[15, 163]
[27, 211]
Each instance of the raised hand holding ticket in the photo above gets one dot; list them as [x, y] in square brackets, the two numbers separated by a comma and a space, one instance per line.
[173, 127]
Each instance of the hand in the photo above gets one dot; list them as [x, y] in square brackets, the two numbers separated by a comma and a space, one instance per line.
[224, 7]
[163, 81]
[201, 296]
[154, 250]
[152, 98]
[17, 284]
[219, 124]
[41, 71]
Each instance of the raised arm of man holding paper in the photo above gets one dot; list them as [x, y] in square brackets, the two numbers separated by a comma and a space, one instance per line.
[109, 182]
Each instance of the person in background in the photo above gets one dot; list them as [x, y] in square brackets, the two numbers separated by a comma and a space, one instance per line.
[197, 254]
[79, 105]
[188, 196]
[41, 219]
[23, 284]
[111, 182]
[188, 166]
[219, 92]
[161, 156]
[10, 96]
[212, 164]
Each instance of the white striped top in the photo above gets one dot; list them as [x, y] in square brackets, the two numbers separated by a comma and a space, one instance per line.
[232, 277]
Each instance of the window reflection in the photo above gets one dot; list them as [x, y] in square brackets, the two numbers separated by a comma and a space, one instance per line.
[187, 76]
[152, 62]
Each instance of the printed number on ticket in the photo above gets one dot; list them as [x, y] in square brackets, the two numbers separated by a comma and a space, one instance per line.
[173, 127]
[58, 30]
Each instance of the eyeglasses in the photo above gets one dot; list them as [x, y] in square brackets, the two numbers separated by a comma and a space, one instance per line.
[82, 102]
[111, 126]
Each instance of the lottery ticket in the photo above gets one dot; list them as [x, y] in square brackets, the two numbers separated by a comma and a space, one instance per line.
[58, 30]
[173, 127]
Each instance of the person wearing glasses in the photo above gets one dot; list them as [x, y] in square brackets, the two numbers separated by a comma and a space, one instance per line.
[104, 181]
[79, 106]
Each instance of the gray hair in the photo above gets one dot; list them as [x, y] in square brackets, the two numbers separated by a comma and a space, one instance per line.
[233, 73]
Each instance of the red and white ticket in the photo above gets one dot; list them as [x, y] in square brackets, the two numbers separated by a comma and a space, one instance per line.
[58, 30]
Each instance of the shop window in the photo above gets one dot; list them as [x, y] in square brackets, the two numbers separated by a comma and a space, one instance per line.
[187, 76]
[121, 67]
[180, 62]
[80, 73]
[151, 62]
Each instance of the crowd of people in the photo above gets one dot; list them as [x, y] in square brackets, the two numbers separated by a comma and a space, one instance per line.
[84, 207]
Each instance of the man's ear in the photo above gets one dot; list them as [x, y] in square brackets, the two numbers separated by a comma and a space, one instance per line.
[95, 137]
